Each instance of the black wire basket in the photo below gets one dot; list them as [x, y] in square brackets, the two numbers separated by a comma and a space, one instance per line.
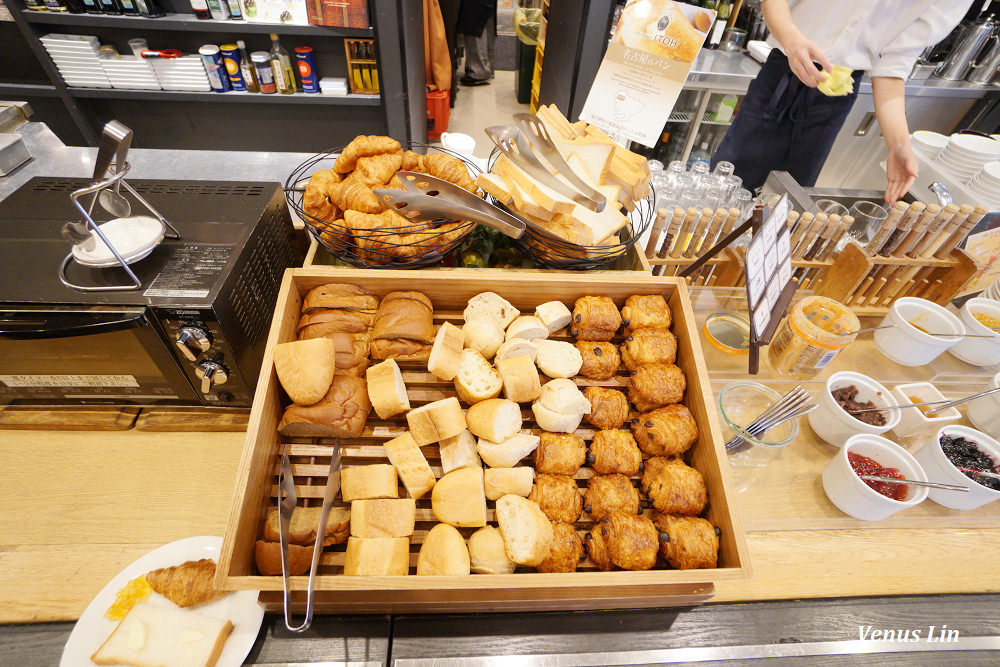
[555, 254]
[425, 244]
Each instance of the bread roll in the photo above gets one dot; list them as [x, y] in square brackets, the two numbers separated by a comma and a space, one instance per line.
[488, 553]
[435, 421]
[458, 452]
[407, 315]
[267, 558]
[527, 533]
[494, 307]
[345, 296]
[342, 412]
[305, 368]
[508, 453]
[400, 348]
[516, 347]
[443, 552]
[520, 379]
[372, 481]
[558, 359]
[477, 380]
[380, 556]
[410, 463]
[495, 419]
[564, 396]
[554, 315]
[527, 327]
[501, 481]
[555, 422]
[305, 522]
[342, 321]
[386, 389]
[459, 498]
[483, 336]
[383, 518]
[446, 354]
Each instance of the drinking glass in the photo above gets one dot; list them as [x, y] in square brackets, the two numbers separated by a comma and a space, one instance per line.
[724, 168]
[868, 216]
[743, 200]
[699, 168]
[829, 207]
[654, 166]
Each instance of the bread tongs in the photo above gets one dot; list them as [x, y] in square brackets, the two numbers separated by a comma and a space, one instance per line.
[522, 145]
[287, 499]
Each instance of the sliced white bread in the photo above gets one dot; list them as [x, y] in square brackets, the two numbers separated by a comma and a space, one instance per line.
[459, 452]
[435, 421]
[488, 553]
[516, 347]
[554, 315]
[372, 481]
[380, 556]
[443, 552]
[494, 306]
[520, 379]
[459, 498]
[305, 368]
[495, 419]
[501, 481]
[527, 327]
[446, 353]
[411, 464]
[483, 335]
[383, 517]
[386, 389]
[477, 380]
[507, 453]
[495, 185]
[527, 533]
[558, 359]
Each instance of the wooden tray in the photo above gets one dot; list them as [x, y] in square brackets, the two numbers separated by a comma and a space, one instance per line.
[586, 589]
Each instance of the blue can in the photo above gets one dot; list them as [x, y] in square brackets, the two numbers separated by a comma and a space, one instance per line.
[307, 69]
[231, 61]
[211, 58]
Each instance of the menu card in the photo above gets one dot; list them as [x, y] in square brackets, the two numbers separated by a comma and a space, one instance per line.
[768, 271]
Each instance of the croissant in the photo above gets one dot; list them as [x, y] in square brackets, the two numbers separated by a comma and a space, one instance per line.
[411, 161]
[557, 496]
[632, 541]
[614, 452]
[687, 542]
[597, 547]
[610, 493]
[600, 359]
[354, 195]
[363, 146]
[641, 311]
[376, 170]
[565, 551]
[665, 431]
[648, 346]
[187, 584]
[448, 168]
[595, 318]
[655, 385]
[674, 487]
[608, 407]
[316, 201]
[559, 453]
[379, 241]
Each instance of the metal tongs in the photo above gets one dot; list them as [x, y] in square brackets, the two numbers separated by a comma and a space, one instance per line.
[287, 499]
[514, 143]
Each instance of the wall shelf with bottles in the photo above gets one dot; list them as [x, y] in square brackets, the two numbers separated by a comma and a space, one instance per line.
[230, 97]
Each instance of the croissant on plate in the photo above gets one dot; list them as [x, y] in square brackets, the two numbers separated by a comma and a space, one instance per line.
[363, 146]
[186, 584]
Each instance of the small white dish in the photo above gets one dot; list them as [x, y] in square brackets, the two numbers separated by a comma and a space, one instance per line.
[833, 425]
[978, 351]
[912, 421]
[940, 469]
[905, 344]
[133, 238]
[853, 496]
[984, 413]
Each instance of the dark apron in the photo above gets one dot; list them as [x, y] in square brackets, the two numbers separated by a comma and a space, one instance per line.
[783, 125]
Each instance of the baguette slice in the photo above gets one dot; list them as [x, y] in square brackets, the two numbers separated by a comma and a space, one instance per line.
[482, 335]
[494, 306]
[527, 533]
[558, 359]
[516, 347]
[458, 452]
[305, 522]
[487, 552]
[366, 482]
[459, 498]
[443, 552]
[564, 396]
[477, 380]
[386, 389]
[305, 368]
[435, 421]
[501, 481]
[413, 469]
[446, 354]
[383, 518]
[167, 636]
[555, 422]
[377, 556]
[554, 315]
[495, 419]
[527, 327]
[520, 379]
[508, 453]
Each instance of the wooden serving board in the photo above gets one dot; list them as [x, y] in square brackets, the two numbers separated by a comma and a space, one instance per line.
[588, 588]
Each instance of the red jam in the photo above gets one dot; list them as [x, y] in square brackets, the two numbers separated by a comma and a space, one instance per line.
[863, 465]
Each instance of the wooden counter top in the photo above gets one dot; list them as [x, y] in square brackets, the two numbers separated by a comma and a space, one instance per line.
[79, 506]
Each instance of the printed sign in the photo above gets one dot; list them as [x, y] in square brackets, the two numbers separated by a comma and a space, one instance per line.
[768, 267]
[645, 67]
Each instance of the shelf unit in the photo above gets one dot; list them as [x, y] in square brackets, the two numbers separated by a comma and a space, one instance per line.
[536, 77]
[308, 122]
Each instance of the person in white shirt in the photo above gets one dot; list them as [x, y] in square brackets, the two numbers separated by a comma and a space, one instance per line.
[785, 124]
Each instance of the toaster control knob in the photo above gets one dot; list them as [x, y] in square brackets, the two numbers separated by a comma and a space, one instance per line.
[211, 373]
[192, 341]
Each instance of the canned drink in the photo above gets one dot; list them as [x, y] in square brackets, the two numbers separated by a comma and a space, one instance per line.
[307, 69]
[211, 58]
[231, 59]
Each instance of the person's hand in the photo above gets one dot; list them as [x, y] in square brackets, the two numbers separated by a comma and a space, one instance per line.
[901, 170]
[802, 56]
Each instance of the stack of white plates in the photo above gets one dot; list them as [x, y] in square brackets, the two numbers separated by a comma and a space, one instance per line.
[987, 184]
[76, 58]
[966, 154]
[131, 72]
[928, 144]
[185, 73]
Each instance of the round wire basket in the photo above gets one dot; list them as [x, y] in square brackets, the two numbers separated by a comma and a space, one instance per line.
[553, 253]
[406, 246]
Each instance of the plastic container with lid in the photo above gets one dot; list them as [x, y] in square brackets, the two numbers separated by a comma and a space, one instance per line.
[808, 340]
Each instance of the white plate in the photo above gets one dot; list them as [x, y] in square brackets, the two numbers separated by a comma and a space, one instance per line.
[240, 607]
[973, 145]
[133, 238]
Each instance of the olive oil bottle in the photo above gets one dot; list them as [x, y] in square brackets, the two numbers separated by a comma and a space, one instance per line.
[281, 64]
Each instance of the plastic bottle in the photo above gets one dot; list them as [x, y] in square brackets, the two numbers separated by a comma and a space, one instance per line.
[700, 155]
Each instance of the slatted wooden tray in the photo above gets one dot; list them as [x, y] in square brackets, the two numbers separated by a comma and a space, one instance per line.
[586, 589]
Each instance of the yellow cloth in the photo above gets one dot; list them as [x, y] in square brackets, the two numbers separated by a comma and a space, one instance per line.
[838, 83]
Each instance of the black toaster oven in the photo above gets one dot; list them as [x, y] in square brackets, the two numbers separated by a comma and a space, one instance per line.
[192, 335]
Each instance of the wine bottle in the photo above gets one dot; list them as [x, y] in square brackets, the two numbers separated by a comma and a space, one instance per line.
[281, 63]
[725, 9]
[247, 68]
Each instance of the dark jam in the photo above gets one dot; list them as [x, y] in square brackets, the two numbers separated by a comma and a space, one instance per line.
[966, 454]
[863, 465]
[846, 398]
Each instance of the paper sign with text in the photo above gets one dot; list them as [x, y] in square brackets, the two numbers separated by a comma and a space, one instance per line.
[645, 67]
[768, 267]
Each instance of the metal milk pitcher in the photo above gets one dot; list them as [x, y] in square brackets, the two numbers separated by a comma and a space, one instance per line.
[983, 71]
[968, 46]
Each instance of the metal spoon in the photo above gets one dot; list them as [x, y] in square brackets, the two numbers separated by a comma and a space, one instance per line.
[942, 404]
[112, 201]
[980, 472]
[932, 485]
[891, 326]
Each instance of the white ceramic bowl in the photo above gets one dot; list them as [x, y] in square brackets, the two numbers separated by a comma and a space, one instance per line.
[978, 351]
[984, 413]
[914, 422]
[853, 496]
[940, 469]
[831, 423]
[928, 139]
[905, 344]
